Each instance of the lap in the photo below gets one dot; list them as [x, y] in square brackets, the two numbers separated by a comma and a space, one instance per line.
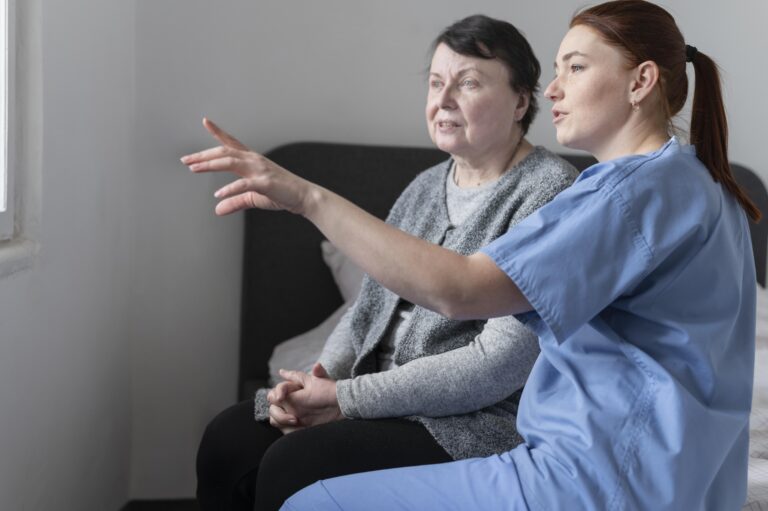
[340, 448]
[252, 460]
[478, 484]
[381, 443]
[234, 443]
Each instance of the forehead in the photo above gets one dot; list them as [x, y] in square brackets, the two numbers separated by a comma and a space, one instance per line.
[447, 61]
[586, 41]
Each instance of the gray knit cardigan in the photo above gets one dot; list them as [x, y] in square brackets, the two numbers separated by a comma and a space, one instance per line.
[440, 360]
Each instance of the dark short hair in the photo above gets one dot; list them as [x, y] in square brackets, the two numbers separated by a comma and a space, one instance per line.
[488, 38]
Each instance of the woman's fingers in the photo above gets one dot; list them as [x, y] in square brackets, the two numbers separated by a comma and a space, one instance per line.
[227, 163]
[279, 417]
[234, 188]
[234, 204]
[222, 136]
[281, 390]
[248, 200]
[263, 184]
[299, 378]
[244, 194]
[319, 371]
[210, 154]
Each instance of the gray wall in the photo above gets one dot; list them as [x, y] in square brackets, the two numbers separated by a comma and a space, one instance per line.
[64, 346]
[120, 342]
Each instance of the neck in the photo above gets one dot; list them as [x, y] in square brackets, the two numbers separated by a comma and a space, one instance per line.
[639, 136]
[477, 171]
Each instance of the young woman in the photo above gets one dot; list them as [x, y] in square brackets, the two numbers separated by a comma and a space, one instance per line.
[639, 280]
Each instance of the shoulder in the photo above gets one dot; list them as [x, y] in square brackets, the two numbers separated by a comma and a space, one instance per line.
[541, 176]
[542, 164]
[427, 179]
[426, 186]
[543, 172]
[670, 164]
[667, 196]
[673, 179]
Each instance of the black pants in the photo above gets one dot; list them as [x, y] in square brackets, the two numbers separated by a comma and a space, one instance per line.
[244, 465]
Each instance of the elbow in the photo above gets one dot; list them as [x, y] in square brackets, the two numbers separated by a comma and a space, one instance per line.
[455, 301]
[455, 309]
[459, 294]
[448, 311]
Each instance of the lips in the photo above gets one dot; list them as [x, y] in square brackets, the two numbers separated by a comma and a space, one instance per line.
[447, 124]
[557, 115]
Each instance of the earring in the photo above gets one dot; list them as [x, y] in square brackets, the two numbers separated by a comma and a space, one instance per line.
[635, 106]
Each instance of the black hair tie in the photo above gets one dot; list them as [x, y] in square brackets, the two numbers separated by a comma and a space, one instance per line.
[690, 53]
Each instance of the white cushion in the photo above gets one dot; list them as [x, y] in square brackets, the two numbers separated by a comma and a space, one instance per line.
[302, 351]
[347, 275]
[757, 488]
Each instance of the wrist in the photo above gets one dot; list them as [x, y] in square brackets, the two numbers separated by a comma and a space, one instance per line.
[337, 409]
[345, 400]
[314, 196]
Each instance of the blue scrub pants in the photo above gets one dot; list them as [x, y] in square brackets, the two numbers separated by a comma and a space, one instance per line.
[478, 484]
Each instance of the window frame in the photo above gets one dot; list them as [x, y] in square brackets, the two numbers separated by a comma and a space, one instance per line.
[8, 54]
[24, 136]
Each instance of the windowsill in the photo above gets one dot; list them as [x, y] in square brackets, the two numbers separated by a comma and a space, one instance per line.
[16, 255]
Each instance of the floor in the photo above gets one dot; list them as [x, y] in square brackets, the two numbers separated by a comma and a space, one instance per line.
[162, 505]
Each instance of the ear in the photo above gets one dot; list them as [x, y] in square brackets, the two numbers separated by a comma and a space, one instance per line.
[523, 102]
[645, 77]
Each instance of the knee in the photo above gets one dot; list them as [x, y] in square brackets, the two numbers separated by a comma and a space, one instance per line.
[218, 444]
[283, 456]
[286, 467]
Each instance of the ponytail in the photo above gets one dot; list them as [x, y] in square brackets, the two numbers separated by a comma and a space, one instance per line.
[709, 129]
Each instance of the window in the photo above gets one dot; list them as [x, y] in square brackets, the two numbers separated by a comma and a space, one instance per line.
[6, 170]
[21, 117]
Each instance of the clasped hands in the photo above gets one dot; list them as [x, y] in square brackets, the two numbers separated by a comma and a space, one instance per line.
[303, 399]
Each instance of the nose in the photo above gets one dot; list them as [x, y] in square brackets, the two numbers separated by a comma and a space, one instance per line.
[553, 92]
[446, 99]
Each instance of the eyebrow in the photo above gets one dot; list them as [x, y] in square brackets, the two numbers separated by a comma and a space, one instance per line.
[462, 72]
[568, 56]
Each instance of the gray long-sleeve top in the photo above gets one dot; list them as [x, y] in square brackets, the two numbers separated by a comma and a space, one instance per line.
[497, 361]
[460, 379]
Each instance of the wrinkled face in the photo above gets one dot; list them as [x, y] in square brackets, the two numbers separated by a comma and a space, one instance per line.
[471, 108]
[590, 91]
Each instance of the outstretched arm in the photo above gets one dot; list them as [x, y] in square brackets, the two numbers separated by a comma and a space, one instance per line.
[457, 286]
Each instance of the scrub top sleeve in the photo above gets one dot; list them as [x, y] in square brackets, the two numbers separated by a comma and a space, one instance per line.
[573, 257]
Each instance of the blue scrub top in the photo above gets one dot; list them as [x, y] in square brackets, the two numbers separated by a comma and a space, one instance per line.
[642, 281]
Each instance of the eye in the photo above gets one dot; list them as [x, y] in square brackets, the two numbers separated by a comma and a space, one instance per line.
[435, 84]
[576, 68]
[469, 84]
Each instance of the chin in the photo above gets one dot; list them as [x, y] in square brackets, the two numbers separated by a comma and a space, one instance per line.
[445, 146]
[569, 142]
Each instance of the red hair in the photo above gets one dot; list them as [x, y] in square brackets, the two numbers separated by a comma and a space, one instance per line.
[644, 31]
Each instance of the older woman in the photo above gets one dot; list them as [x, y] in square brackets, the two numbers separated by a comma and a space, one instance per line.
[428, 389]
[639, 279]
